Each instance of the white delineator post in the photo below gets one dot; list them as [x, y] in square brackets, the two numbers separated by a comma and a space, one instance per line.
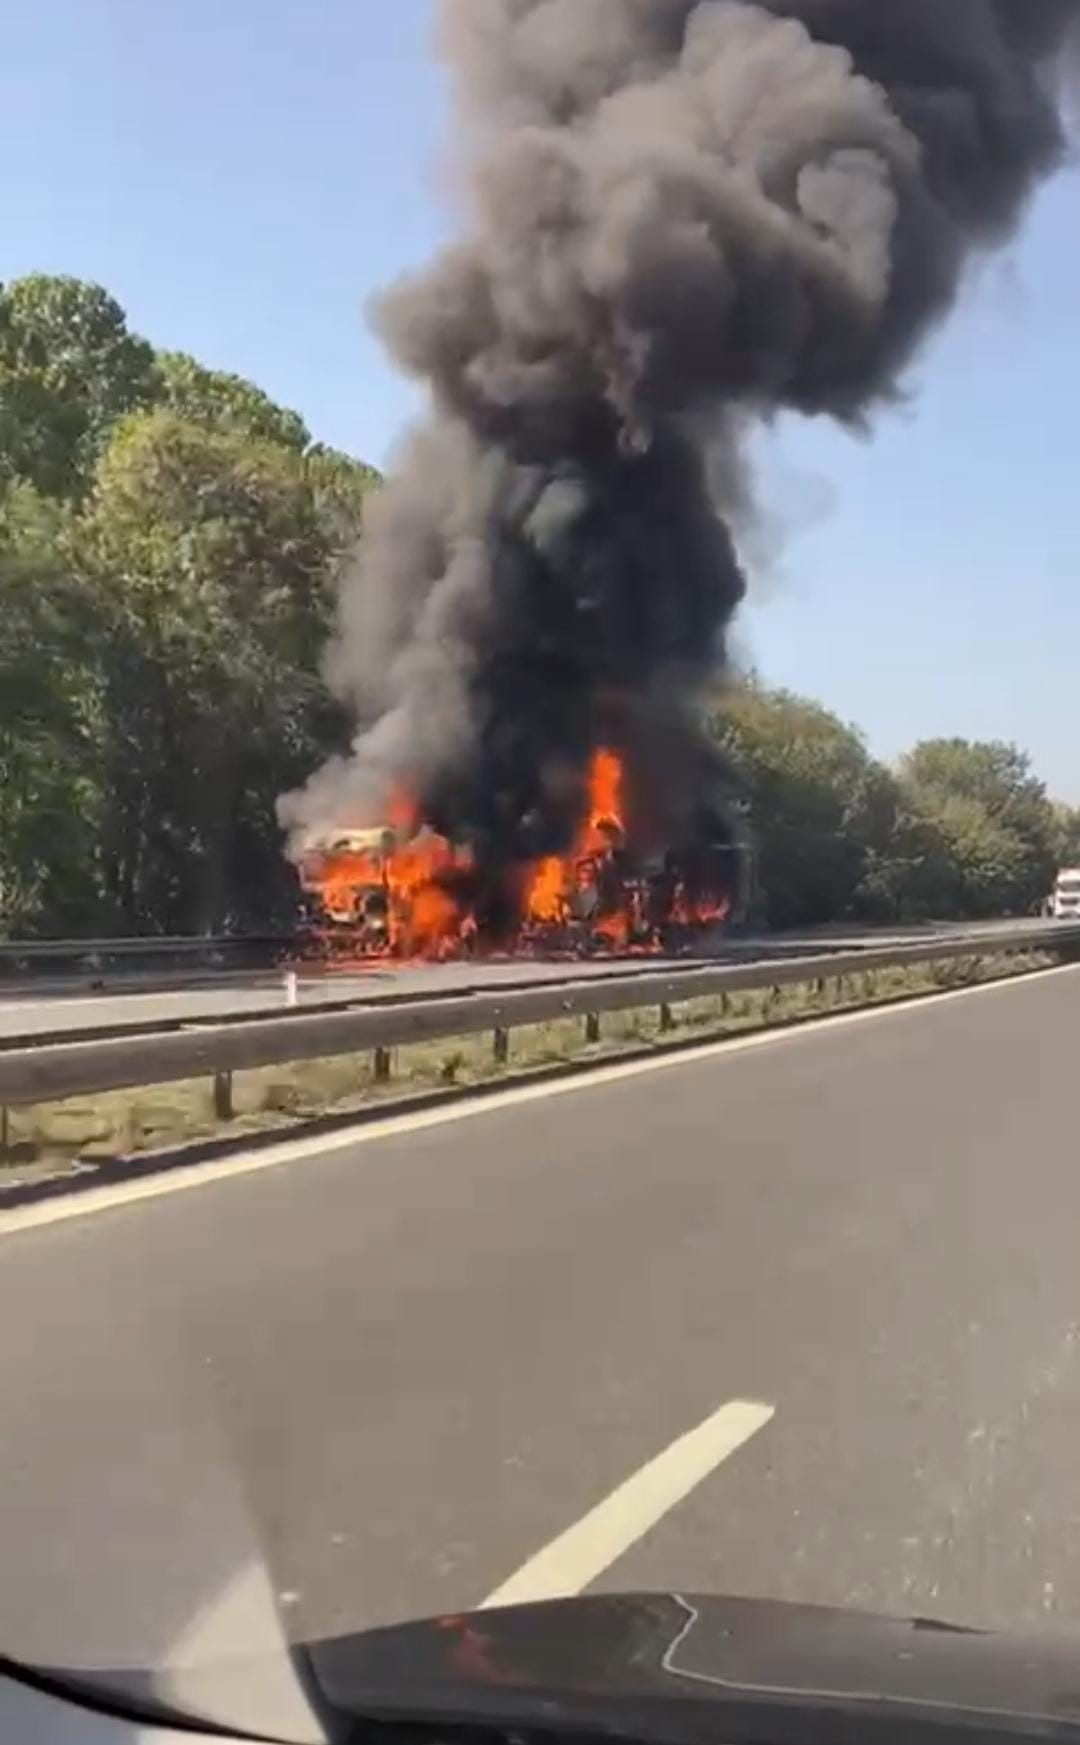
[292, 988]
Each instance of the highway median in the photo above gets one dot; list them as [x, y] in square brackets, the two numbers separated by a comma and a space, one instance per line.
[72, 1110]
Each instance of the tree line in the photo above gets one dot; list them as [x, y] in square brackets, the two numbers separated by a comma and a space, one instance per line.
[958, 830]
[170, 540]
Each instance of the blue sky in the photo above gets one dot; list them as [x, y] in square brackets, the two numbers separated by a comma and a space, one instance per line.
[241, 174]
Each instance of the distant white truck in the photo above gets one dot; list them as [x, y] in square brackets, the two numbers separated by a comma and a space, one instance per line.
[1065, 898]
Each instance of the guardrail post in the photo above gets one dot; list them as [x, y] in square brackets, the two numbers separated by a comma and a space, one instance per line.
[592, 1027]
[667, 1020]
[501, 1046]
[384, 1066]
[223, 1096]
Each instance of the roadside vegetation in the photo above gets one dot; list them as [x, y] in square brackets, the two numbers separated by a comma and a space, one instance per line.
[170, 540]
[957, 830]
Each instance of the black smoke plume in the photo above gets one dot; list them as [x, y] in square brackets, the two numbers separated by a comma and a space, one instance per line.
[682, 217]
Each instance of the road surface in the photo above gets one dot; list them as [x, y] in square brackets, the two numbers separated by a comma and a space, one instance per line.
[27, 1010]
[845, 1260]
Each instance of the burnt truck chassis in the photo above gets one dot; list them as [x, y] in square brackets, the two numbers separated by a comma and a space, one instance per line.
[614, 908]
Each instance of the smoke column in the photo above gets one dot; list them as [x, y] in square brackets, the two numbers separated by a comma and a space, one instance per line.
[682, 218]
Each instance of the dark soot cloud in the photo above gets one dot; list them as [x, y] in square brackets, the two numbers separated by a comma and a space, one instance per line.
[681, 217]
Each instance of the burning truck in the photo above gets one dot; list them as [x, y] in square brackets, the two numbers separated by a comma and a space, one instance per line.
[399, 890]
[685, 218]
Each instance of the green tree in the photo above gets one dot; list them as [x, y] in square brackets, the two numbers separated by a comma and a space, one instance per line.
[1067, 835]
[988, 825]
[226, 402]
[213, 557]
[50, 801]
[69, 369]
[169, 538]
[820, 812]
[341, 486]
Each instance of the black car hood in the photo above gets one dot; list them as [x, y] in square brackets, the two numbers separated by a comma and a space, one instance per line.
[687, 1668]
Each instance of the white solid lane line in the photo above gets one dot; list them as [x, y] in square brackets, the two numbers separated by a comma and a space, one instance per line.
[577, 1557]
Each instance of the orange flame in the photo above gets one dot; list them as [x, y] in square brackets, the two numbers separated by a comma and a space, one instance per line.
[546, 900]
[560, 884]
[391, 887]
[606, 791]
[425, 919]
[602, 838]
[398, 891]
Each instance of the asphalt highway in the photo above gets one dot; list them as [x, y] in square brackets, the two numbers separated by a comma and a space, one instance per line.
[813, 1302]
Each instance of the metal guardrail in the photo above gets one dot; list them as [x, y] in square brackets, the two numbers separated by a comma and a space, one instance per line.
[145, 945]
[130, 965]
[40, 956]
[126, 1029]
[26, 954]
[212, 1049]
